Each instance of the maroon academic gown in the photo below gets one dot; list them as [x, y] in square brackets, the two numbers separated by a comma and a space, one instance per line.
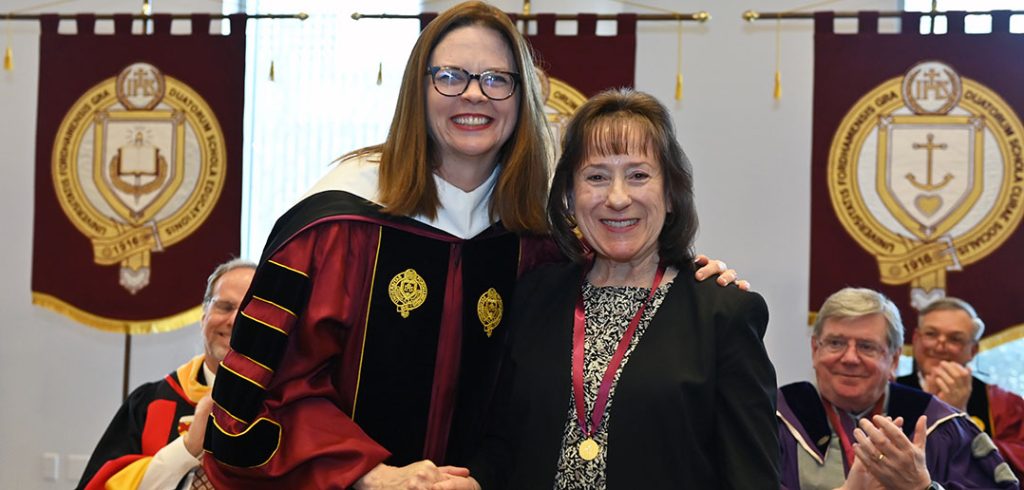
[364, 338]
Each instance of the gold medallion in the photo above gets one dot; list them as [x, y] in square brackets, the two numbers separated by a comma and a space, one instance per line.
[489, 309]
[407, 291]
[589, 449]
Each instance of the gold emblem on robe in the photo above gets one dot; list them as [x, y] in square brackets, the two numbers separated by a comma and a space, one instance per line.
[489, 308]
[408, 291]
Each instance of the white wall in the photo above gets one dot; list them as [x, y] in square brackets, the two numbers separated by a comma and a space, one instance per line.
[61, 381]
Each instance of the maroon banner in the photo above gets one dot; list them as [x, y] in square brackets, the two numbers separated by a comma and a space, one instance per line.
[586, 61]
[917, 169]
[138, 170]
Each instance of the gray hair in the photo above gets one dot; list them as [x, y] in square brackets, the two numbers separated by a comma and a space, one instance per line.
[858, 302]
[220, 271]
[950, 303]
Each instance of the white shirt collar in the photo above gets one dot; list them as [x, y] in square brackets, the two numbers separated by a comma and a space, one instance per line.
[210, 377]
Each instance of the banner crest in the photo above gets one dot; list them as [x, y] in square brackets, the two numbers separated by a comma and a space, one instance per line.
[917, 166]
[137, 167]
[922, 175]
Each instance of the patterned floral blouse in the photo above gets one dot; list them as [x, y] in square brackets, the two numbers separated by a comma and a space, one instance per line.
[608, 311]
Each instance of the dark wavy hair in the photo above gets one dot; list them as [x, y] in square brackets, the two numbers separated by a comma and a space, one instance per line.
[617, 122]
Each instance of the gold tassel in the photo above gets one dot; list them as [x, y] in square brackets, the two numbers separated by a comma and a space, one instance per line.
[777, 93]
[679, 62]
[9, 52]
[271, 70]
[380, 73]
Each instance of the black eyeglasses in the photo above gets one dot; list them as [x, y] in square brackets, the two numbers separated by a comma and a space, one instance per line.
[452, 81]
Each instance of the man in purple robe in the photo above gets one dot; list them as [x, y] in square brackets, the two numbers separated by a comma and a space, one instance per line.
[855, 429]
[945, 341]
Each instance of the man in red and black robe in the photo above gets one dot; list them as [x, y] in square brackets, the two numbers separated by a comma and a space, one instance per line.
[154, 416]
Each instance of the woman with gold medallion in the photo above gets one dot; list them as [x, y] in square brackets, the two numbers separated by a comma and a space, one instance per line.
[622, 370]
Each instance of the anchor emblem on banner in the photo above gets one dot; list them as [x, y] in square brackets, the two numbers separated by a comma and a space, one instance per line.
[922, 176]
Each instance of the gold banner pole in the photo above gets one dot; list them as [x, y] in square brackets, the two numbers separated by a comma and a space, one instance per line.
[299, 16]
[753, 15]
[701, 16]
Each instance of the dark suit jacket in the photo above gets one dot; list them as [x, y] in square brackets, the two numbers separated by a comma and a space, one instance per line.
[693, 408]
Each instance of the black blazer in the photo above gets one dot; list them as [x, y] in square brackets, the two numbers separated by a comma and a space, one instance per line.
[693, 408]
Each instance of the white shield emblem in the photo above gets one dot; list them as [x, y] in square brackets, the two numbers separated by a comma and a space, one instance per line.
[140, 165]
[930, 170]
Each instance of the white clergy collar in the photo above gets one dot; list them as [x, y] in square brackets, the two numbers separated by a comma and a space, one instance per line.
[462, 214]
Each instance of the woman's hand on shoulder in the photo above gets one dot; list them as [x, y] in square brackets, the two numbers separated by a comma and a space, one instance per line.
[727, 276]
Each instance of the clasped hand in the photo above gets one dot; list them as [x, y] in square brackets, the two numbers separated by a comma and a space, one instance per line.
[421, 475]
